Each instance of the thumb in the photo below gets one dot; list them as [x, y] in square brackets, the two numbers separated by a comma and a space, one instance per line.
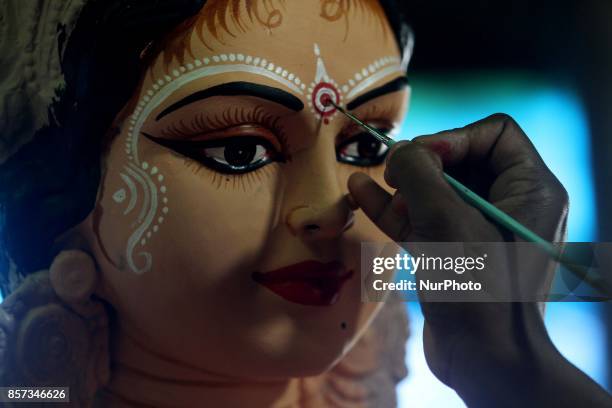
[435, 210]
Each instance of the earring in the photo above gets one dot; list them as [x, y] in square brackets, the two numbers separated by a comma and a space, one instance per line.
[54, 332]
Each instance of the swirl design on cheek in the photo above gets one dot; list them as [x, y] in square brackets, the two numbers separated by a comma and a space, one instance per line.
[142, 177]
[133, 193]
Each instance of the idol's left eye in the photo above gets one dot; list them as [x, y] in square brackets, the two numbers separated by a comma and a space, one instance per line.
[362, 149]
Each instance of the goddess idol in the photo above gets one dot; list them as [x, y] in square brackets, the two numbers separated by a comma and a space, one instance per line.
[176, 226]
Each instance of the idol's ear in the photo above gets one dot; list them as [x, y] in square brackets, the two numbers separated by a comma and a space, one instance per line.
[54, 332]
[74, 276]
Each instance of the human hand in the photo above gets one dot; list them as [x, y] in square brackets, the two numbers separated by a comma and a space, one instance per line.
[466, 342]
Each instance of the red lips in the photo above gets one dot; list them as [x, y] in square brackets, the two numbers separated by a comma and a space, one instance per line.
[309, 283]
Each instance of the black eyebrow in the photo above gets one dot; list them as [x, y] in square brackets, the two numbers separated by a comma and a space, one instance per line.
[393, 86]
[239, 89]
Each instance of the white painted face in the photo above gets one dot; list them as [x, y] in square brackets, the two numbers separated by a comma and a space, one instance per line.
[231, 163]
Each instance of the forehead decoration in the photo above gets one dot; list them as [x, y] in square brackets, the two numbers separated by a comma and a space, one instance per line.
[324, 88]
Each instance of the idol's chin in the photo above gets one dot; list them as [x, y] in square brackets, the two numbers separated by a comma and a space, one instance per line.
[302, 361]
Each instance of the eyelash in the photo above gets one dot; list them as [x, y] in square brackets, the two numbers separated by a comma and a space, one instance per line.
[230, 118]
[233, 181]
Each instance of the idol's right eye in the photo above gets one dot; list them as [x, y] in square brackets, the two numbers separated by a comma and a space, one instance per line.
[227, 155]
[238, 154]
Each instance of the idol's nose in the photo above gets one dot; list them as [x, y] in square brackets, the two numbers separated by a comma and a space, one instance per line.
[320, 221]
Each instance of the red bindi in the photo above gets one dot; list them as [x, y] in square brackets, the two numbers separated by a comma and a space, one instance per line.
[323, 95]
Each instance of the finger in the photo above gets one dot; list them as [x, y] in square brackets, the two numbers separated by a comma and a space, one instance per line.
[435, 210]
[377, 204]
[522, 184]
[497, 139]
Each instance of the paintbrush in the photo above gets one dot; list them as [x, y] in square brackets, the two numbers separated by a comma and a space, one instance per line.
[498, 216]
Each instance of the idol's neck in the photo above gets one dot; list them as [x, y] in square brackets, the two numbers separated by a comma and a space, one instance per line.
[140, 377]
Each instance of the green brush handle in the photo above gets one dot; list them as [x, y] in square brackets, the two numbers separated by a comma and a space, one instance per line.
[498, 216]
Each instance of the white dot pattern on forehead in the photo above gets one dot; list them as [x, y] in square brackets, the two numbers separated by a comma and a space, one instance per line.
[189, 72]
[370, 75]
[324, 87]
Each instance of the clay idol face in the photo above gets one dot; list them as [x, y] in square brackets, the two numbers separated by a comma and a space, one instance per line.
[221, 223]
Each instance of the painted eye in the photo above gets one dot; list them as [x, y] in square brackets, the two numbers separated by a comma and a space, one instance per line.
[239, 155]
[363, 150]
[229, 155]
